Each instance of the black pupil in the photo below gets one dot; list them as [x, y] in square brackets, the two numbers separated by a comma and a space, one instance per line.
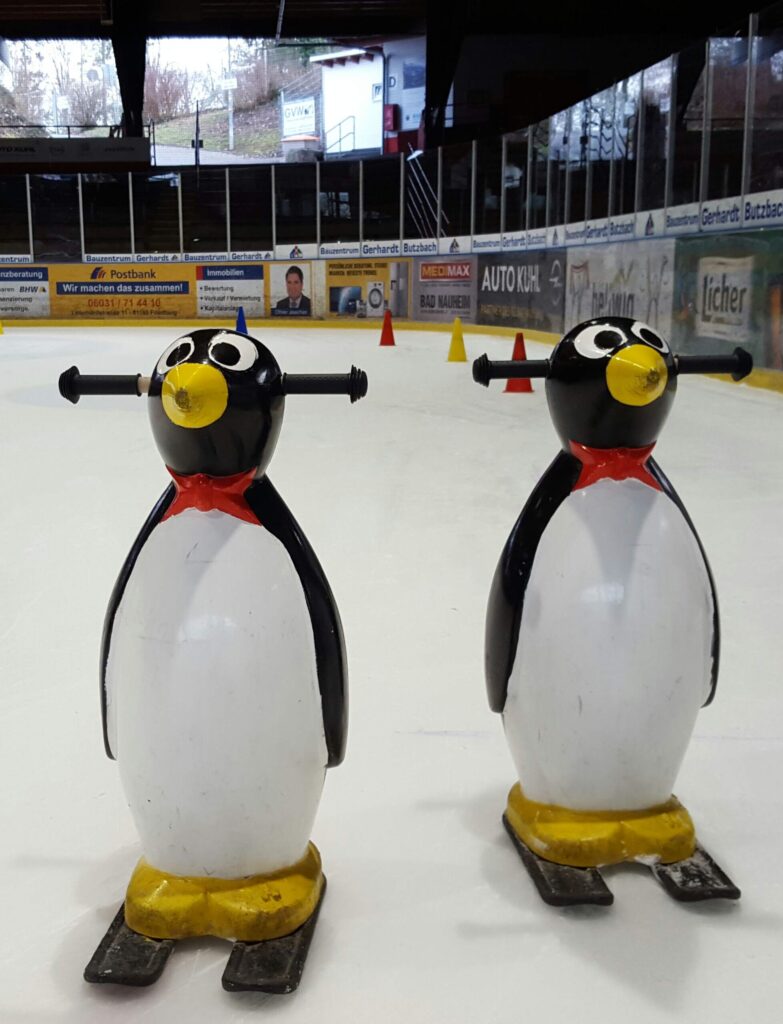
[225, 353]
[177, 355]
[653, 339]
[607, 339]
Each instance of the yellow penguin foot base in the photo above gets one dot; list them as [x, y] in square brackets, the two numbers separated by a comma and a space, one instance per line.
[252, 909]
[587, 839]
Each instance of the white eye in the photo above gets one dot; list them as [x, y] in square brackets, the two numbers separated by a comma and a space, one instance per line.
[232, 352]
[646, 333]
[597, 341]
[177, 352]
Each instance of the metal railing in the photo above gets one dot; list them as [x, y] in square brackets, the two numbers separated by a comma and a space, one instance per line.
[68, 131]
[543, 176]
[348, 134]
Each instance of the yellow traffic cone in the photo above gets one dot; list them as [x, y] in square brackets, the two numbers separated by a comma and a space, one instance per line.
[457, 353]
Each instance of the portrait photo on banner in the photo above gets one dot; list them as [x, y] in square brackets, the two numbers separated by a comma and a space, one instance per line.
[289, 289]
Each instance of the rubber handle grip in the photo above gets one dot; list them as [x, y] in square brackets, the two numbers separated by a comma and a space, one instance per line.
[738, 364]
[486, 369]
[353, 384]
[73, 384]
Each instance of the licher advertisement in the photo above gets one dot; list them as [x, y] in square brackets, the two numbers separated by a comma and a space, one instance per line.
[138, 292]
[729, 291]
[724, 298]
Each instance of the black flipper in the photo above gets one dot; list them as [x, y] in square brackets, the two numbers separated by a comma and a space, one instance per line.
[670, 492]
[274, 515]
[507, 594]
[274, 966]
[126, 958]
[152, 521]
[696, 878]
[558, 884]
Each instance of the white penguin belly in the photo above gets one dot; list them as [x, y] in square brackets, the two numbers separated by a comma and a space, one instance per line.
[614, 653]
[214, 708]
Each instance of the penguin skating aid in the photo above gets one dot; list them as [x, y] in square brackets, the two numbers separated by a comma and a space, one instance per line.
[602, 633]
[223, 675]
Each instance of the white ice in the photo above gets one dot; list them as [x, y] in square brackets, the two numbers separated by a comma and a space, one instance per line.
[407, 497]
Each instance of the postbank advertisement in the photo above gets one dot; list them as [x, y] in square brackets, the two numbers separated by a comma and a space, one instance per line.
[121, 290]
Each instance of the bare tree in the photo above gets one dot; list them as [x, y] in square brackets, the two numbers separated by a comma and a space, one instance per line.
[166, 91]
[87, 103]
[30, 100]
[61, 65]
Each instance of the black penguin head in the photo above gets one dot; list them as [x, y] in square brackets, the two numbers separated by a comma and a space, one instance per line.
[216, 403]
[611, 384]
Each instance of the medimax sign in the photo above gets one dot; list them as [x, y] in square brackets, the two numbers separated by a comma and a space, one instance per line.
[523, 289]
[444, 289]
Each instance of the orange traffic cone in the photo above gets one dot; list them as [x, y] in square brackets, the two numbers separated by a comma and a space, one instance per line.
[519, 383]
[387, 334]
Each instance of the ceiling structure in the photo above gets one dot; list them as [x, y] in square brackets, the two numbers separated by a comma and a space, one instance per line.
[552, 55]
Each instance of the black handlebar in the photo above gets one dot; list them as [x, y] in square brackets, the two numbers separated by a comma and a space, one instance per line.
[73, 385]
[738, 364]
[353, 384]
[486, 369]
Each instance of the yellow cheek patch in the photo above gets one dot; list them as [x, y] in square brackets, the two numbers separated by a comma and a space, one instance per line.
[636, 375]
[194, 395]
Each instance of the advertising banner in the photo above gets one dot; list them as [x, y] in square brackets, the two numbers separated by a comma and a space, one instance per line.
[123, 291]
[454, 245]
[24, 292]
[486, 243]
[298, 117]
[513, 240]
[633, 279]
[651, 224]
[729, 291]
[419, 246]
[763, 209]
[341, 249]
[523, 289]
[445, 288]
[367, 287]
[723, 298]
[220, 291]
[721, 214]
[42, 154]
[683, 220]
[290, 289]
[299, 251]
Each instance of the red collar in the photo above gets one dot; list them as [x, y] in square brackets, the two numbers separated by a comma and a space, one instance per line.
[613, 464]
[202, 492]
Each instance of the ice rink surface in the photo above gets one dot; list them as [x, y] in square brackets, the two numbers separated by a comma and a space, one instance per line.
[407, 498]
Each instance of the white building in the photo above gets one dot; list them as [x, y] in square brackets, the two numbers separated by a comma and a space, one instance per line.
[373, 96]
